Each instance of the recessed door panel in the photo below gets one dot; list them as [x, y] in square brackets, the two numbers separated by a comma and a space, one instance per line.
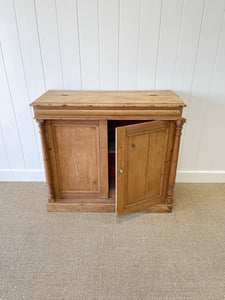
[137, 154]
[79, 158]
[155, 162]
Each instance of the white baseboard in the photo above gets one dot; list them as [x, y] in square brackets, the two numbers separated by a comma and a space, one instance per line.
[201, 176]
[22, 175]
[182, 176]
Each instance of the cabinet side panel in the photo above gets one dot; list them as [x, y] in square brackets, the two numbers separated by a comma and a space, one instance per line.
[78, 157]
[46, 155]
[52, 154]
[168, 159]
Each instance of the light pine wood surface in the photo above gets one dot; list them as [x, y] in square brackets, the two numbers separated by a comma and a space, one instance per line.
[110, 151]
[109, 99]
[141, 158]
[79, 158]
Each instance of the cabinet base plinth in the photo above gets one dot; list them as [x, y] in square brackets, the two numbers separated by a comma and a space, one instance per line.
[94, 207]
[88, 207]
[158, 208]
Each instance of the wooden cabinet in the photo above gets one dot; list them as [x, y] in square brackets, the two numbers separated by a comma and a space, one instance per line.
[110, 151]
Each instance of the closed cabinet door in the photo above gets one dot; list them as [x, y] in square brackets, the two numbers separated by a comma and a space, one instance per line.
[78, 155]
[143, 155]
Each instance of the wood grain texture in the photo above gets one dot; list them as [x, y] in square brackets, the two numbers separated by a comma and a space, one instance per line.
[103, 158]
[135, 167]
[52, 151]
[77, 153]
[141, 153]
[120, 164]
[92, 99]
[47, 164]
[81, 207]
[157, 208]
[79, 158]
[54, 207]
[169, 154]
[112, 114]
[158, 141]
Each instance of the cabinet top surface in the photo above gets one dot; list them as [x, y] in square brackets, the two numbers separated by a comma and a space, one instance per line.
[109, 99]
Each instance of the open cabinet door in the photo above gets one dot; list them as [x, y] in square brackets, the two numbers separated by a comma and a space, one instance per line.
[143, 153]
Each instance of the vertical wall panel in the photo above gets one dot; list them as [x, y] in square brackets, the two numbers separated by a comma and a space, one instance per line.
[211, 152]
[188, 47]
[4, 162]
[168, 43]
[150, 17]
[211, 29]
[187, 52]
[108, 38]
[31, 54]
[50, 48]
[9, 123]
[69, 43]
[17, 83]
[128, 43]
[88, 12]
[30, 47]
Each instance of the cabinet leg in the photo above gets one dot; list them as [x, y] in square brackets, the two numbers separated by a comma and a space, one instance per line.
[173, 166]
[48, 170]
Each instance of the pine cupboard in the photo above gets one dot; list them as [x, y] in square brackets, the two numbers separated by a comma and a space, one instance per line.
[110, 151]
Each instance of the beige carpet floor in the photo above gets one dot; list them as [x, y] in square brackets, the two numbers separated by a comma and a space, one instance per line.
[99, 256]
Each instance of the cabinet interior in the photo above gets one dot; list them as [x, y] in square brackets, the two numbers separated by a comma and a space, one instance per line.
[112, 125]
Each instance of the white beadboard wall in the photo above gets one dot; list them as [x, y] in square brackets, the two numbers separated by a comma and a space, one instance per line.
[113, 45]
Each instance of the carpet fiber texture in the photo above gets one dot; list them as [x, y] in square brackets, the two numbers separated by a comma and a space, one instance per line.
[72, 255]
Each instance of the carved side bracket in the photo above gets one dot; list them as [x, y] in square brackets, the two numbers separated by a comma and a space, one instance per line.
[173, 166]
[48, 170]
